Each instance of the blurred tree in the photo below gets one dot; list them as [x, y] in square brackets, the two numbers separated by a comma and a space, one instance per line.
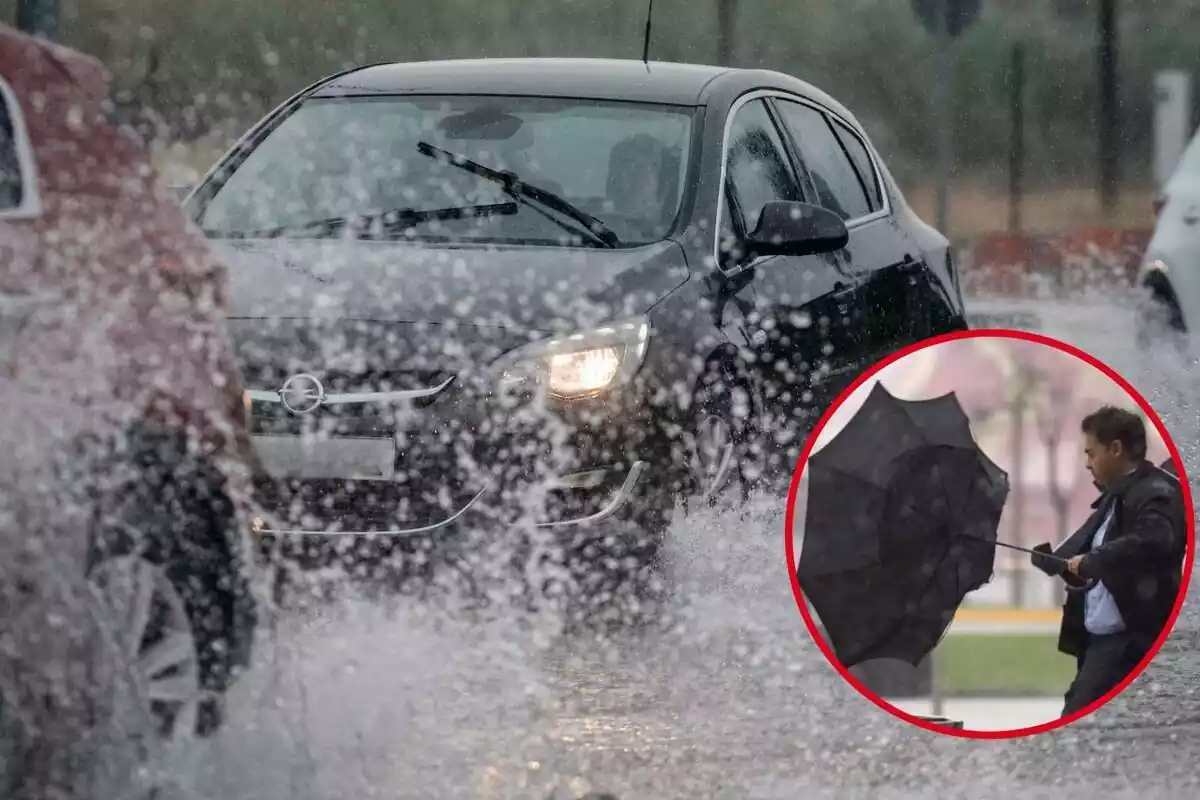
[1055, 414]
[1009, 408]
[38, 17]
[1024, 387]
[1074, 9]
[215, 67]
[726, 32]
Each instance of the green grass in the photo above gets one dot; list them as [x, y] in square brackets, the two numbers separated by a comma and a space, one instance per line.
[1017, 664]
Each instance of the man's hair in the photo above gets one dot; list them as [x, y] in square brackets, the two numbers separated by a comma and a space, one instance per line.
[1109, 424]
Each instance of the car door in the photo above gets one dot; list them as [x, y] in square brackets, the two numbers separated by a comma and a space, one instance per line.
[803, 318]
[838, 162]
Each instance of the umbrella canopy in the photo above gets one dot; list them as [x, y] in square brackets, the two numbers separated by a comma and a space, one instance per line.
[901, 523]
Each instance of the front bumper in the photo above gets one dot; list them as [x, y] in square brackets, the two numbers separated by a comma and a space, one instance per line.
[615, 512]
[366, 474]
[485, 505]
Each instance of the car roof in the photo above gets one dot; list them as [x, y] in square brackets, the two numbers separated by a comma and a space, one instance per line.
[590, 78]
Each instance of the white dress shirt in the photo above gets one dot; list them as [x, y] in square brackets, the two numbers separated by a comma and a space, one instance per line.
[1101, 615]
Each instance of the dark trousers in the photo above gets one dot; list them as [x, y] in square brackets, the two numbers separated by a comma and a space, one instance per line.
[1103, 664]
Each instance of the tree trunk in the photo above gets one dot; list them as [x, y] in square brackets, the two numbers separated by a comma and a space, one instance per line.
[726, 31]
[1017, 584]
[1060, 501]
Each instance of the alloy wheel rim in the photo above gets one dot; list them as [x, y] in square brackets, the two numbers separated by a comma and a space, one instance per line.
[156, 645]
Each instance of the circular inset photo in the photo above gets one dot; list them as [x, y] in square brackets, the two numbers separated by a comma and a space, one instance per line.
[989, 534]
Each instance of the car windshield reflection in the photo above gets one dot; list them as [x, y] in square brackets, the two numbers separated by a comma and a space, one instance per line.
[621, 164]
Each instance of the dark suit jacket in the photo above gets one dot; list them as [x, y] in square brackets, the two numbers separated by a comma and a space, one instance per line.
[1141, 560]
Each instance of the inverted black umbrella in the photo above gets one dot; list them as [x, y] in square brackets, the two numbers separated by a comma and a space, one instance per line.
[902, 519]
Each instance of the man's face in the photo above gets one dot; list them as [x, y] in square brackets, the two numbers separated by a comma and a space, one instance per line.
[1106, 462]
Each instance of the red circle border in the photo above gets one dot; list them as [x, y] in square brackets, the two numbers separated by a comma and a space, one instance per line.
[988, 333]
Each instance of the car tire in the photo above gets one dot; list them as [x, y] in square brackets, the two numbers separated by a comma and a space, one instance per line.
[205, 713]
[149, 649]
[1159, 322]
[715, 465]
[614, 575]
[610, 576]
[612, 581]
[165, 519]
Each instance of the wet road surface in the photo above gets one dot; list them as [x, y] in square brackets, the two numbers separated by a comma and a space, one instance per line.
[365, 700]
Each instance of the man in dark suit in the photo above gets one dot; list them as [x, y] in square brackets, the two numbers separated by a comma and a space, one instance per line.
[1124, 566]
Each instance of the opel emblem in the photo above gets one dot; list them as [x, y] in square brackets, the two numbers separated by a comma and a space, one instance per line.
[302, 394]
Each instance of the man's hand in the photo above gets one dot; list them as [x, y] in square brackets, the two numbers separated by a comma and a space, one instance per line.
[1073, 564]
[1042, 558]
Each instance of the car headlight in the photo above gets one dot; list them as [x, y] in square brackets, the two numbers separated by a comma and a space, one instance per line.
[580, 365]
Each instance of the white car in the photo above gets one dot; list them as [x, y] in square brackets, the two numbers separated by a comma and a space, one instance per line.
[1170, 268]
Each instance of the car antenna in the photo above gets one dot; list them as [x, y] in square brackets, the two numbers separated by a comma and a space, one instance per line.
[646, 38]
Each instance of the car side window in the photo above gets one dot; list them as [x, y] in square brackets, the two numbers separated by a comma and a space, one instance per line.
[10, 168]
[18, 190]
[838, 186]
[862, 163]
[757, 171]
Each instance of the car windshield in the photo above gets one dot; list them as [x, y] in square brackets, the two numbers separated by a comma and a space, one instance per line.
[498, 169]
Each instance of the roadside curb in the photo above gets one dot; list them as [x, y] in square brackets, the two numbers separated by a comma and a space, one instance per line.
[1005, 622]
[1009, 615]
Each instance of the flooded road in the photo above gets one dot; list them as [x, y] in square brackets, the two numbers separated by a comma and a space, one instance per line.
[368, 700]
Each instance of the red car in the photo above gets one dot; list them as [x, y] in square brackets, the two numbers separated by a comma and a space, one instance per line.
[124, 446]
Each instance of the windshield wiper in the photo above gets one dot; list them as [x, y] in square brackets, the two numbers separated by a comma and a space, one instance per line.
[517, 188]
[396, 219]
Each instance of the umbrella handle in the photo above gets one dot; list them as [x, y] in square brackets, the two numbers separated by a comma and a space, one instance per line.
[1087, 587]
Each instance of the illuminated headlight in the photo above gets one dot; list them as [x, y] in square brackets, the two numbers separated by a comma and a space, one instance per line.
[580, 365]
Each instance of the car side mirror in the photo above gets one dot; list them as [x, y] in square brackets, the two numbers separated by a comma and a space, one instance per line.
[181, 191]
[796, 229]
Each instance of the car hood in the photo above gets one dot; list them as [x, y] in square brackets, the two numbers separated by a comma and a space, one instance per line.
[517, 288]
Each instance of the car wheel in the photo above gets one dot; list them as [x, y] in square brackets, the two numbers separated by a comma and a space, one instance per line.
[605, 575]
[612, 582]
[1159, 323]
[162, 525]
[616, 574]
[153, 650]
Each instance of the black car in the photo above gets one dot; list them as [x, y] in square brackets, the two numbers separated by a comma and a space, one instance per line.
[568, 292]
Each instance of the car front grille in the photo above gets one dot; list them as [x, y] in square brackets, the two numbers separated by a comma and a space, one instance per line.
[339, 382]
[270, 417]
